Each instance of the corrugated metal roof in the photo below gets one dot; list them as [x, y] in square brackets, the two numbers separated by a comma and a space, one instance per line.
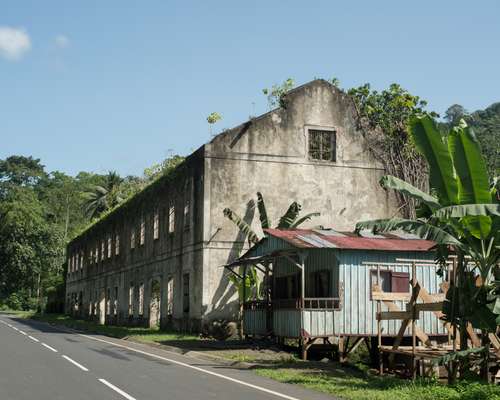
[308, 238]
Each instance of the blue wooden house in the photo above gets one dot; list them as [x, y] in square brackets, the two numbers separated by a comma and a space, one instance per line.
[319, 284]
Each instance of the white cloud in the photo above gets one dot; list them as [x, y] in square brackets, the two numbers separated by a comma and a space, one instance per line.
[14, 42]
[61, 41]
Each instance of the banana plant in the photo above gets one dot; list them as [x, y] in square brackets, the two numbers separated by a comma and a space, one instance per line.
[461, 214]
[291, 219]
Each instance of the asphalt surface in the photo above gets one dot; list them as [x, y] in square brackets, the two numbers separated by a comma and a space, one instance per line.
[39, 361]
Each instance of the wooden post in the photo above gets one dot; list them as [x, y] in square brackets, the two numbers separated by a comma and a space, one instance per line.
[303, 280]
[267, 298]
[341, 348]
[379, 328]
[413, 311]
[242, 305]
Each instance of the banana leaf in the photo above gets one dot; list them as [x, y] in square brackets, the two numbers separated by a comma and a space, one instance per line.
[468, 210]
[305, 218]
[287, 220]
[473, 181]
[391, 182]
[430, 144]
[419, 228]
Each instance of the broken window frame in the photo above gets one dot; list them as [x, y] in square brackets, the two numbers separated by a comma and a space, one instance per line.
[326, 149]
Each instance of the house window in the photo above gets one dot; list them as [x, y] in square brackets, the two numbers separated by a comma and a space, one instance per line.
[109, 247]
[103, 250]
[117, 245]
[287, 287]
[131, 299]
[141, 299]
[142, 232]
[185, 293]
[91, 256]
[171, 219]
[156, 225]
[318, 284]
[322, 145]
[391, 281]
[132, 238]
[96, 254]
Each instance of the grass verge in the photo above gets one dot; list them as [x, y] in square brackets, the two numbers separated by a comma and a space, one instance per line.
[147, 335]
[356, 384]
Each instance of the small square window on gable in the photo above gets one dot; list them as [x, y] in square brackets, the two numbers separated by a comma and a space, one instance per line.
[322, 145]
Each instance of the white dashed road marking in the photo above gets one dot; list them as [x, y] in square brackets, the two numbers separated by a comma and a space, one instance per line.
[22, 332]
[32, 338]
[48, 347]
[118, 390]
[205, 371]
[75, 363]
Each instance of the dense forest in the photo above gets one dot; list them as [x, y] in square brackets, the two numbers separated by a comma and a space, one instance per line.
[41, 211]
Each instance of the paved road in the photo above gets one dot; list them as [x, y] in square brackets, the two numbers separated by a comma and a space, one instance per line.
[38, 361]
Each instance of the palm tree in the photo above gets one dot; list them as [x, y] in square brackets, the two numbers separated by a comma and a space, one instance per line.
[462, 216]
[105, 197]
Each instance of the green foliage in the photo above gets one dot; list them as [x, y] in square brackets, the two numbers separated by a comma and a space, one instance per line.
[465, 221]
[104, 197]
[384, 118]
[40, 212]
[213, 118]
[276, 94]
[486, 125]
[347, 382]
[21, 171]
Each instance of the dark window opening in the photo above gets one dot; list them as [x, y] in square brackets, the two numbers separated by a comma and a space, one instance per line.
[287, 287]
[322, 145]
[185, 293]
[318, 284]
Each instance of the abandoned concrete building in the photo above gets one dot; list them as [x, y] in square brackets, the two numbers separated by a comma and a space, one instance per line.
[157, 259]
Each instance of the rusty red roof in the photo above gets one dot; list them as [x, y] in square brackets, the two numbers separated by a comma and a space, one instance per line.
[328, 238]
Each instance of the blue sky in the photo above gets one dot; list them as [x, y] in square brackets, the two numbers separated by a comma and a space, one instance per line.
[114, 85]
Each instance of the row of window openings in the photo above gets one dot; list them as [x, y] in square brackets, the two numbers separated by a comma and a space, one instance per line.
[76, 262]
[112, 305]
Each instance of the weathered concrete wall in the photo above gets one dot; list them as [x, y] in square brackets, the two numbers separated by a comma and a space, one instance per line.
[171, 255]
[267, 154]
[270, 155]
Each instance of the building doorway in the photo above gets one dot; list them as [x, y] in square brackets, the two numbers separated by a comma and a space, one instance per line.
[154, 304]
[102, 307]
